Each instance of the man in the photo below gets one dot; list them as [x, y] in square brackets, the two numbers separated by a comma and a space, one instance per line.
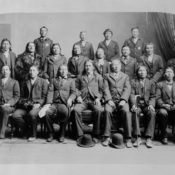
[86, 47]
[165, 95]
[9, 96]
[76, 62]
[7, 57]
[143, 102]
[25, 60]
[33, 97]
[43, 44]
[89, 93]
[135, 44]
[153, 63]
[129, 64]
[100, 64]
[61, 94]
[110, 47]
[119, 89]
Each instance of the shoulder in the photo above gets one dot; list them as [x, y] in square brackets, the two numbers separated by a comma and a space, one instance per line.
[160, 84]
[114, 42]
[36, 40]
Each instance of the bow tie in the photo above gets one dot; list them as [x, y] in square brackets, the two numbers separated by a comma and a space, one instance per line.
[169, 83]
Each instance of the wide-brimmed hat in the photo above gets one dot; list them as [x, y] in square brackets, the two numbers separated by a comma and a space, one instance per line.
[117, 141]
[85, 141]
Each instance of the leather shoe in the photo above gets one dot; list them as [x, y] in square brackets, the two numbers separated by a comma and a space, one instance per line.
[137, 142]
[165, 141]
[149, 143]
[50, 139]
[106, 141]
[128, 143]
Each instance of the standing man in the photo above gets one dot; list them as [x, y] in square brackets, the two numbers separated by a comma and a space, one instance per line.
[76, 62]
[33, 97]
[117, 83]
[129, 64]
[89, 93]
[143, 101]
[110, 47]
[43, 44]
[86, 47]
[153, 63]
[165, 95]
[9, 96]
[100, 64]
[136, 44]
[61, 95]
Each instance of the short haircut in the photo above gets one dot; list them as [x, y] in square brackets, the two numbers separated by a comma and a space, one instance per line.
[125, 46]
[136, 27]
[36, 66]
[44, 28]
[108, 30]
[169, 67]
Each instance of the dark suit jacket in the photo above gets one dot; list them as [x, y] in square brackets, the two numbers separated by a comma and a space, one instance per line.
[94, 87]
[137, 49]
[10, 92]
[77, 67]
[2, 63]
[119, 89]
[163, 95]
[51, 66]
[39, 92]
[105, 69]
[112, 50]
[86, 50]
[130, 67]
[23, 64]
[156, 71]
[149, 92]
[61, 91]
[43, 47]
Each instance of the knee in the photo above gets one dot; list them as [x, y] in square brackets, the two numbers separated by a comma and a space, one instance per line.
[163, 113]
[32, 115]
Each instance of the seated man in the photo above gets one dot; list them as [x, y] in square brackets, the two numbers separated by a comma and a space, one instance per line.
[100, 64]
[61, 94]
[89, 94]
[33, 96]
[129, 64]
[143, 101]
[166, 102]
[117, 99]
[76, 62]
[9, 96]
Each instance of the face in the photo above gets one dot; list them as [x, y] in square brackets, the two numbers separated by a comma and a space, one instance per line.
[43, 32]
[83, 36]
[89, 67]
[56, 49]
[63, 71]
[77, 50]
[100, 53]
[142, 73]
[125, 51]
[31, 47]
[6, 72]
[149, 49]
[135, 33]
[169, 74]
[108, 35]
[33, 72]
[116, 66]
[5, 45]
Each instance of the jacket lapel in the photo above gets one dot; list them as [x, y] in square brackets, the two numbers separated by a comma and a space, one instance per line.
[166, 90]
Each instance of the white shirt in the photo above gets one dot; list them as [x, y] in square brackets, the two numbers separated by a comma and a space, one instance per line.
[6, 54]
[100, 62]
[107, 42]
[150, 58]
[33, 81]
[83, 43]
[4, 80]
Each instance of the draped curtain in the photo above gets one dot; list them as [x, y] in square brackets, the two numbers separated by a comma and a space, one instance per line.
[164, 25]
